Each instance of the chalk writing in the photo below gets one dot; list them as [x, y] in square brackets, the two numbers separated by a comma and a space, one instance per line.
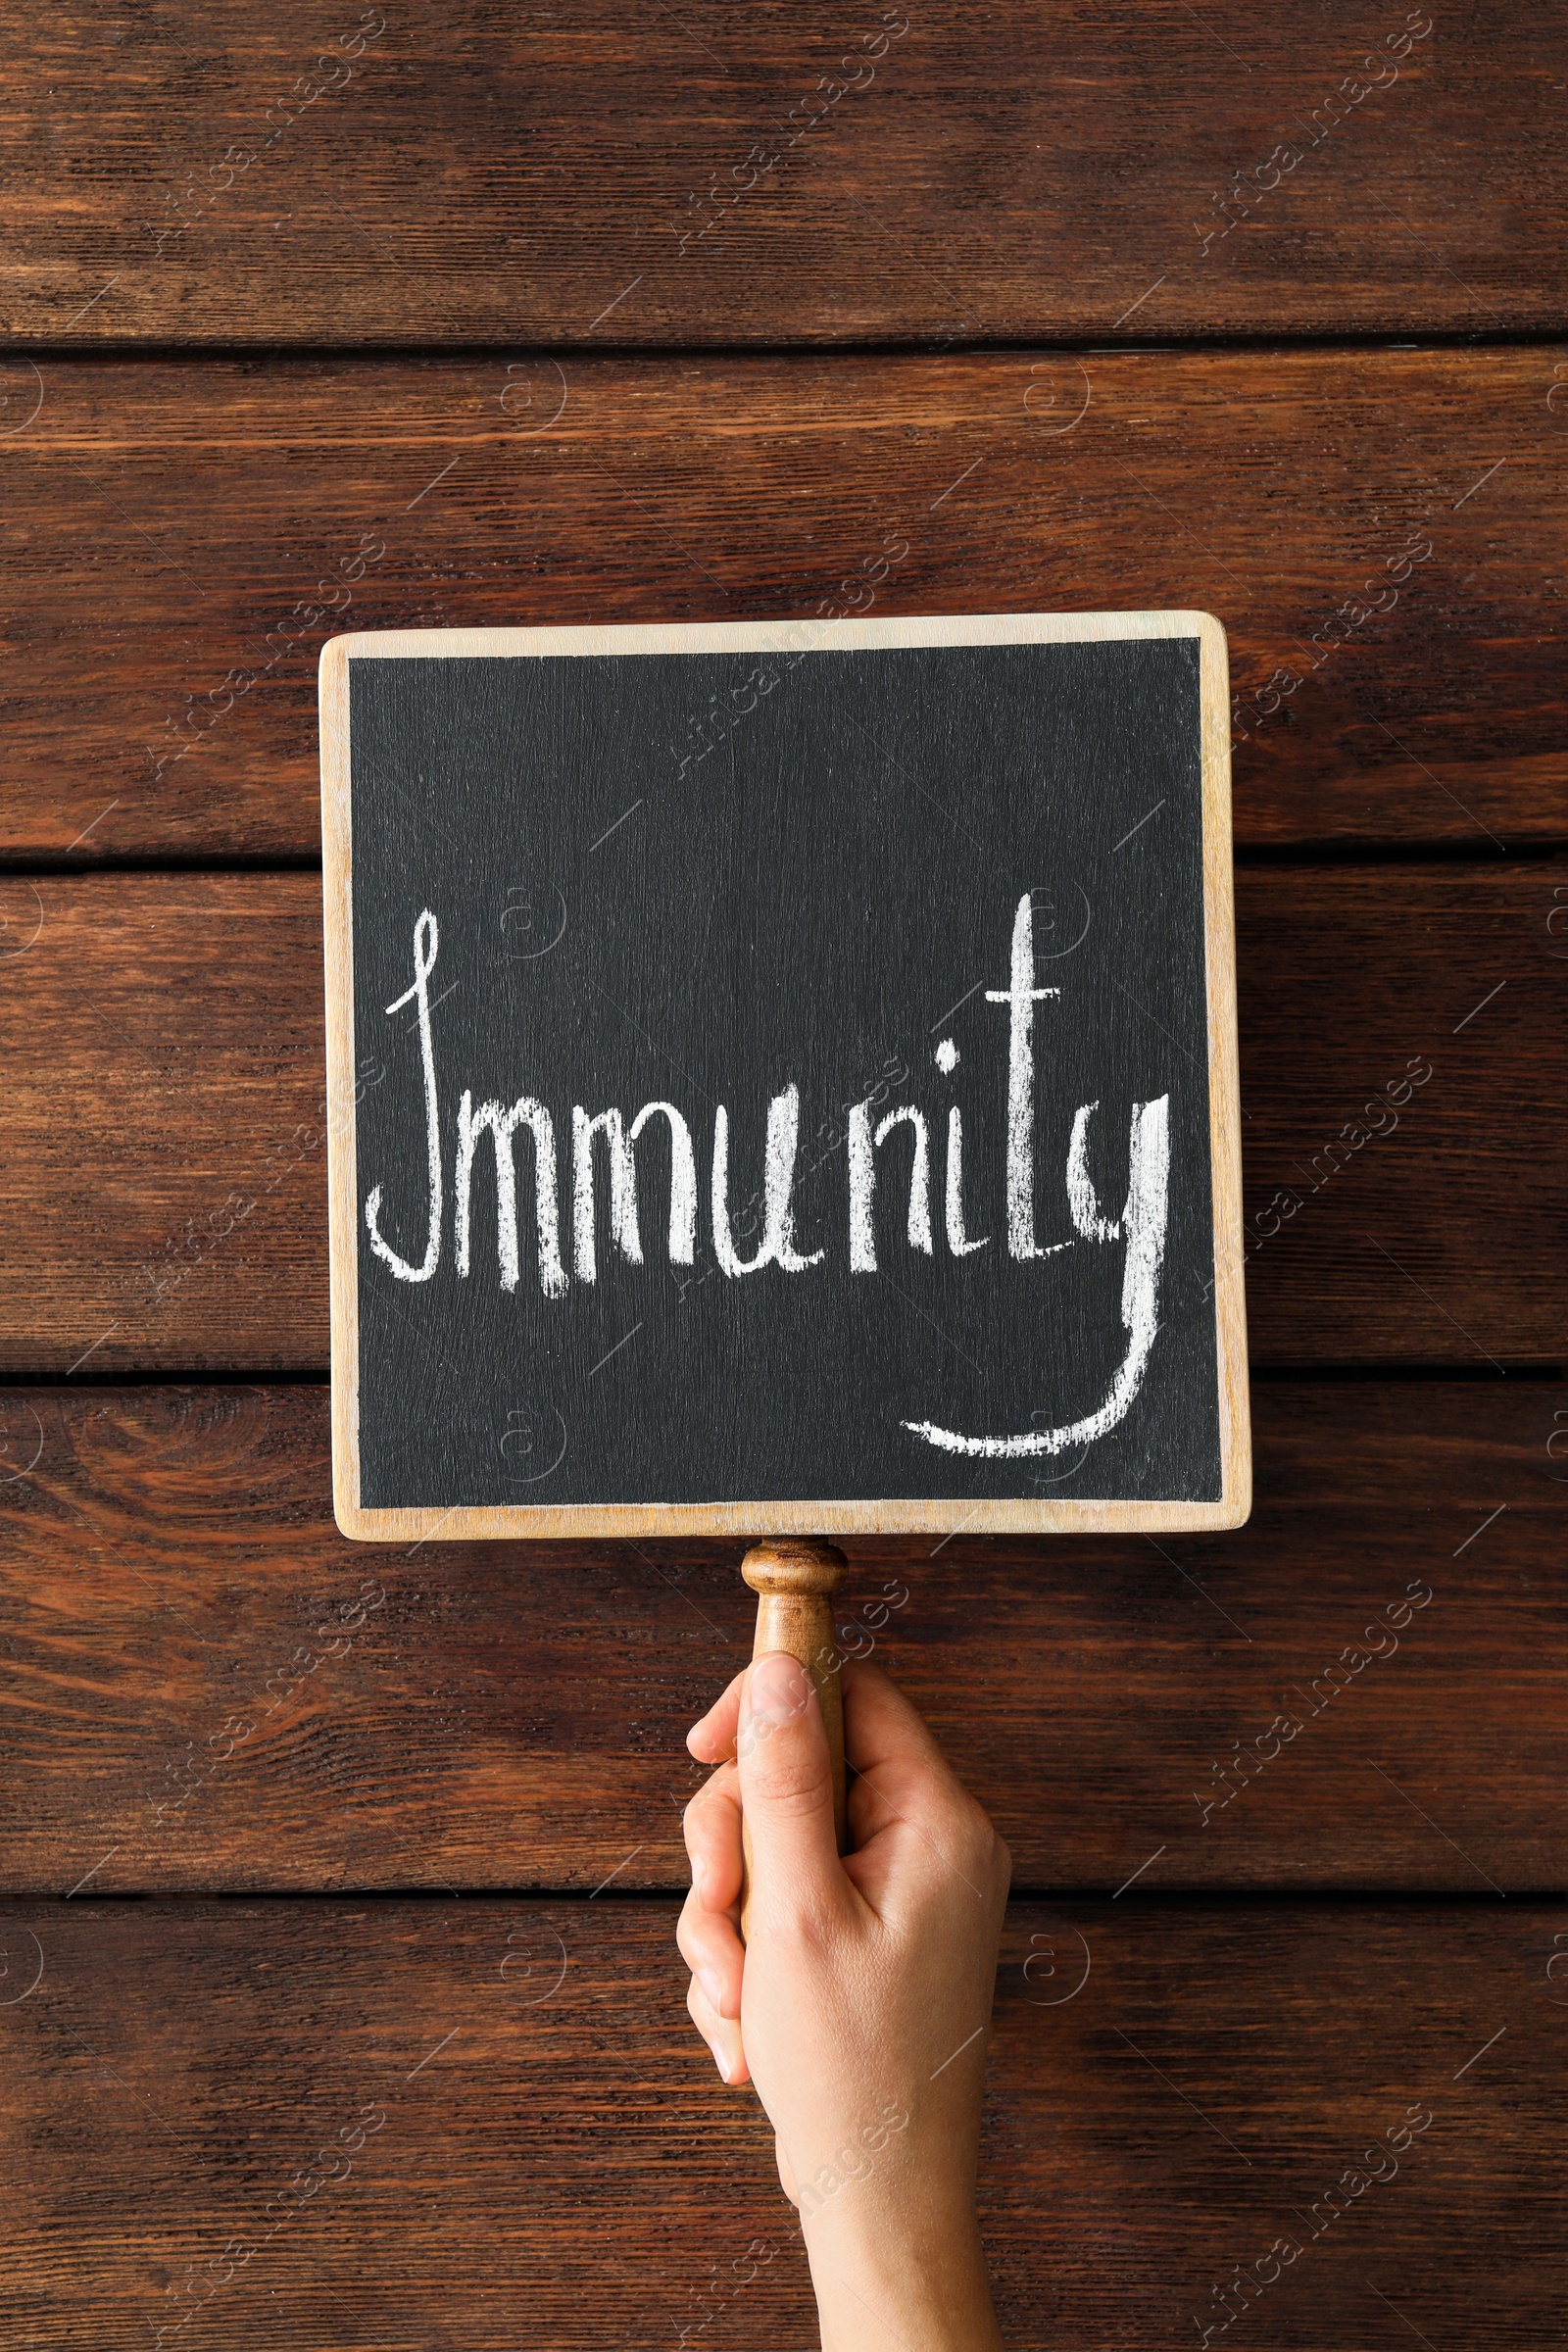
[1141, 1228]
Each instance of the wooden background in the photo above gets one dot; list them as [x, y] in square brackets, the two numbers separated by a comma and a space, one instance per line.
[491, 325]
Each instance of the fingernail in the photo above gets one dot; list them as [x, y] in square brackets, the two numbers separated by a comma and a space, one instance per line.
[699, 1875]
[718, 2059]
[777, 1690]
[712, 1987]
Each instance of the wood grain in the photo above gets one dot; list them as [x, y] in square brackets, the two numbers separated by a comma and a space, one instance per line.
[208, 1687]
[489, 175]
[163, 1187]
[181, 538]
[547, 2152]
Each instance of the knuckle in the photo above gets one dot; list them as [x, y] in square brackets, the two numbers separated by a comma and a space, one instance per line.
[702, 1815]
[975, 1845]
[794, 1784]
[951, 1810]
[981, 1840]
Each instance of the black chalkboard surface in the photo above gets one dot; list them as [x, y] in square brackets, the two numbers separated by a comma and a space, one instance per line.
[783, 1079]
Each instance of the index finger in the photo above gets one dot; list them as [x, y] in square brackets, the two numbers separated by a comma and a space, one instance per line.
[908, 1807]
[711, 1738]
[881, 1729]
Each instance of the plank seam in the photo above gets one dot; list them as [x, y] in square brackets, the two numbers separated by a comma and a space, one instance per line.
[1275, 344]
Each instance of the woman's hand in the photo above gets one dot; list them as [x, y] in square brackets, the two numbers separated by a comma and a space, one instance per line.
[860, 2007]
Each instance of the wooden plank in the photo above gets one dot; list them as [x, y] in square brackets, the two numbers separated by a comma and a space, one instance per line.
[542, 2133]
[207, 1684]
[181, 538]
[250, 176]
[163, 1187]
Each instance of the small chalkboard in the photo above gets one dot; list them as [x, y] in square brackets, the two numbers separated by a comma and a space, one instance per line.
[783, 1078]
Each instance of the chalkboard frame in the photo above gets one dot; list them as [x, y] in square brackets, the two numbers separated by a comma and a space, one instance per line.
[826, 1516]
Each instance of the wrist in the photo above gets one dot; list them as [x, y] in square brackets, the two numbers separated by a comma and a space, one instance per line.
[911, 2277]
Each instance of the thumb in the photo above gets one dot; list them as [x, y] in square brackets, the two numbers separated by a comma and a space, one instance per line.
[786, 1778]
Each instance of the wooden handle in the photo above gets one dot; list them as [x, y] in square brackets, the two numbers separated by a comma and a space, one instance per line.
[793, 1578]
